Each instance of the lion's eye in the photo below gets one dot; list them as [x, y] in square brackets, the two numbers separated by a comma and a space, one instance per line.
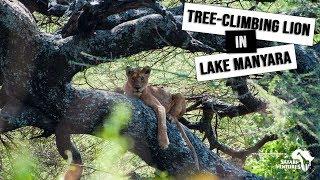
[142, 78]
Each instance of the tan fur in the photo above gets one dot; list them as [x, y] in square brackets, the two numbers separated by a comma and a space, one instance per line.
[74, 172]
[161, 101]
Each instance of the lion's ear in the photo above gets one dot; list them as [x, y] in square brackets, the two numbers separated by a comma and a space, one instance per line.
[146, 70]
[129, 70]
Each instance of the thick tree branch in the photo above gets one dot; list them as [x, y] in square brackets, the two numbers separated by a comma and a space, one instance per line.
[40, 6]
[240, 86]
[91, 109]
[17, 20]
[56, 9]
[37, 77]
[177, 159]
[228, 110]
[15, 114]
[146, 33]
[249, 103]
[162, 32]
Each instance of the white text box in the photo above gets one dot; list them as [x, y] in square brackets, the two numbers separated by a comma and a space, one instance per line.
[270, 59]
[268, 26]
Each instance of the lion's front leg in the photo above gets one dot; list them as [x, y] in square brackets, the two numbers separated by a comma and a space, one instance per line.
[161, 117]
[162, 128]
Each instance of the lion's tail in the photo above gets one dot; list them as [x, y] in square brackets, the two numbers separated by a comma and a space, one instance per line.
[185, 137]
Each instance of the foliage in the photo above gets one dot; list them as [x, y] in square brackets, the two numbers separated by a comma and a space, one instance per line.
[174, 69]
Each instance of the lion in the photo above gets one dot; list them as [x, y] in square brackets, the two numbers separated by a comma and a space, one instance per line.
[161, 101]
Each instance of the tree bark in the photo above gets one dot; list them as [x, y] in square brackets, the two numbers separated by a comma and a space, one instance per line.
[142, 130]
[37, 68]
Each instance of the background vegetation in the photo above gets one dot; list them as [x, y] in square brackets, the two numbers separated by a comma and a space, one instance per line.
[173, 68]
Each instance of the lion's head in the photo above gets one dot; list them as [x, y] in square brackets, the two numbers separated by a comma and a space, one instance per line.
[138, 78]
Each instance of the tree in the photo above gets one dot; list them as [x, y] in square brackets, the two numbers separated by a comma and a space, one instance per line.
[37, 68]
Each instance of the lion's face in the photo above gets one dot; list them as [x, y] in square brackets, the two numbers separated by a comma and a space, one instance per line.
[138, 78]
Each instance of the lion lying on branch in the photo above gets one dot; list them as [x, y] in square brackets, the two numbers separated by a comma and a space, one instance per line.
[161, 101]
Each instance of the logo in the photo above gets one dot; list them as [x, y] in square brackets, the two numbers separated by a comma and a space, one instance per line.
[304, 157]
[301, 159]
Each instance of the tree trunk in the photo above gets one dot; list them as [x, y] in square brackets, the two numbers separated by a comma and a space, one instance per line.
[36, 69]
